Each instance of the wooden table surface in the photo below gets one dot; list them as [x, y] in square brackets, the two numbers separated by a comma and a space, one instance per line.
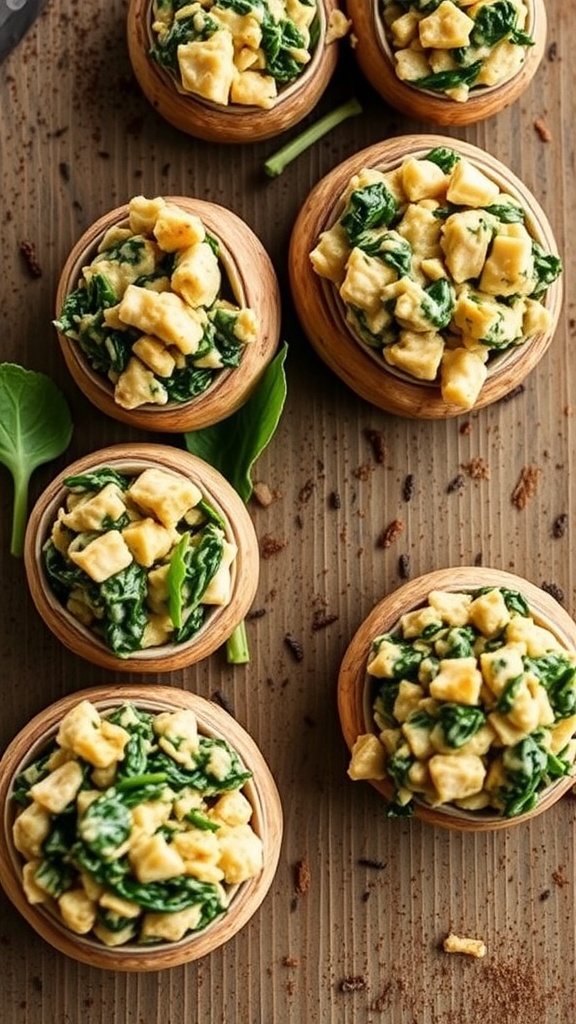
[363, 943]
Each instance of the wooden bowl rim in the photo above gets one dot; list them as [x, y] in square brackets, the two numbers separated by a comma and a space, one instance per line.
[375, 57]
[321, 314]
[234, 123]
[353, 676]
[220, 621]
[253, 284]
[261, 791]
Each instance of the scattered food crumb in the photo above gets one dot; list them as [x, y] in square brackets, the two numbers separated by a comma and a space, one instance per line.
[271, 546]
[545, 895]
[408, 487]
[321, 620]
[294, 646]
[526, 486]
[456, 484]
[28, 250]
[303, 877]
[543, 130]
[465, 428]
[369, 862]
[377, 443]
[559, 878]
[256, 613]
[560, 525]
[306, 492]
[460, 944]
[554, 590]
[264, 494]
[335, 500]
[357, 984]
[390, 534]
[514, 392]
[363, 472]
[290, 961]
[404, 567]
[477, 468]
[64, 169]
[552, 52]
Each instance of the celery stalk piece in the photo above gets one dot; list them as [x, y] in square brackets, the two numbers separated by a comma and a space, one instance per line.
[284, 156]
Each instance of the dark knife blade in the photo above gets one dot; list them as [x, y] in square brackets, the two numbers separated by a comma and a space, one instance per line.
[16, 17]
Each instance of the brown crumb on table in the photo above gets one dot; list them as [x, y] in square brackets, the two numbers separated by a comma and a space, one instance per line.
[271, 546]
[514, 392]
[526, 486]
[456, 484]
[552, 52]
[28, 250]
[335, 500]
[554, 590]
[477, 468]
[321, 620]
[369, 862]
[404, 567]
[357, 984]
[264, 494]
[377, 443]
[545, 895]
[302, 877]
[294, 646]
[559, 878]
[363, 472]
[290, 961]
[543, 130]
[390, 534]
[408, 487]
[460, 944]
[256, 613]
[306, 492]
[560, 525]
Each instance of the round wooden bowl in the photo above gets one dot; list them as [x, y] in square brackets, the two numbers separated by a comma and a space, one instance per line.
[253, 282]
[234, 123]
[260, 791]
[375, 58]
[354, 689]
[322, 313]
[220, 622]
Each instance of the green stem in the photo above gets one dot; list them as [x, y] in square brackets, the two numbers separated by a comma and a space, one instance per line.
[237, 652]
[19, 514]
[280, 160]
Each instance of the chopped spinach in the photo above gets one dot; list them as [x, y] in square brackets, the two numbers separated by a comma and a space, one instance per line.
[368, 207]
[459, 723]
[444, 157]
[441, 81]
[557, 675]
[496, 21]
[438, 305]
[547, 268]
[96, 479]
[192, 566]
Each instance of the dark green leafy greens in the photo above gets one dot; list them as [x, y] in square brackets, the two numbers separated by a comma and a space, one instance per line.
[35, 427]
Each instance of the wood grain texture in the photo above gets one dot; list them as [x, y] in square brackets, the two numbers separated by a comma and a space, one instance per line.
[215, 122]
[220, 621]
[252, 278]
[260, 791]
[323, 315]
[375, 58]
[77, 137]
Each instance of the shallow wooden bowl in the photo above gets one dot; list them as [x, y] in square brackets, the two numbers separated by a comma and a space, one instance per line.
[253, 282]
[353, 681]
[322, 313]
[261, 792]
[234, 123]
[374, 55]
[219, 623]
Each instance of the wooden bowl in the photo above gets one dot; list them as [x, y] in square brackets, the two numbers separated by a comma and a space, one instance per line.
[234, 123]
[219, 622]
[322, 314]
[260, 791]
[375, 58]
[254, 284]
[354, 691]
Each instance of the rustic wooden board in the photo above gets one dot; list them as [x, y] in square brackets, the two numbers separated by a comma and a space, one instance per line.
[363, 943]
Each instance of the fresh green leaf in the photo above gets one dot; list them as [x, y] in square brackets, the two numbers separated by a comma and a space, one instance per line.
[279, 161]
[233, 445]
[35, 427]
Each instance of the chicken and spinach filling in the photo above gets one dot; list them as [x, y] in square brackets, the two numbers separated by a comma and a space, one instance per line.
[474, 706]
[152, 311]
[138, 559]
